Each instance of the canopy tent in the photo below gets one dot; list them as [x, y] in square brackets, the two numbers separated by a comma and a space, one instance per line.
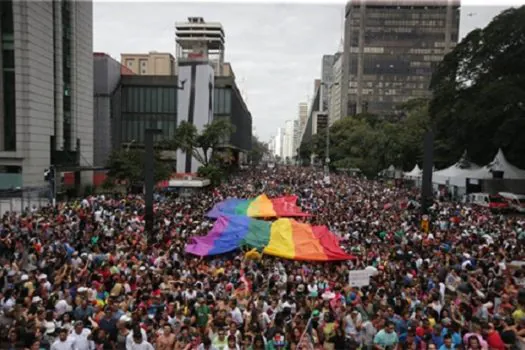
[414, 173]
[456, 174]
[499, 163]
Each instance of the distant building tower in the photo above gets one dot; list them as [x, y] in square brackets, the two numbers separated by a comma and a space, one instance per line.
[391, 48]
[200, 53]
[201, 40]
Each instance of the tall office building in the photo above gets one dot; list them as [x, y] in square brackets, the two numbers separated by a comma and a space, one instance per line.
[288, 140]
[327, 79]
[152, 63]
[279, 140]
[335, 93]
[391, 48]
[303, 114]
[47, 89]
[296, 136]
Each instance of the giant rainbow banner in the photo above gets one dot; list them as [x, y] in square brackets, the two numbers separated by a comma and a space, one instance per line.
[259, 207]
[285, 238]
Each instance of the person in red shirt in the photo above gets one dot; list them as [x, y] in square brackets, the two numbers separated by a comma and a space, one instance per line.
[493, 338]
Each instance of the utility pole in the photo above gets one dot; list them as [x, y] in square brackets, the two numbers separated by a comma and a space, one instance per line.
[428, 160]
[327, 149]
[149, 179]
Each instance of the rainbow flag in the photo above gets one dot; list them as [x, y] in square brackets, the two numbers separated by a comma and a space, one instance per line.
[259, 207]
[285, 238]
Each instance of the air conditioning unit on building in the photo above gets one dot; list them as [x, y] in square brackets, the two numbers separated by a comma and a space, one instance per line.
[188, 178]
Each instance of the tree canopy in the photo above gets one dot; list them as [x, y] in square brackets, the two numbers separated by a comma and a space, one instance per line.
[259, 149]
[128, 165]
[202, 145]
[479, 94]
[371, 143]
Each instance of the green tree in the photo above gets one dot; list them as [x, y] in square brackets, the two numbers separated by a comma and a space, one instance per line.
[202, 145]
[258, 151]
[479, 93]
[128, 166]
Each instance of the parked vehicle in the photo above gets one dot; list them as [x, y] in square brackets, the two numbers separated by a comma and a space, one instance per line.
[516, 201]
[492, 201]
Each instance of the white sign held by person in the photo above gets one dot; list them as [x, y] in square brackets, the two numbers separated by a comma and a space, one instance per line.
[359, 278]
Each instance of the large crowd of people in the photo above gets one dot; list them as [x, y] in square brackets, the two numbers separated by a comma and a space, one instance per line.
[84, 275]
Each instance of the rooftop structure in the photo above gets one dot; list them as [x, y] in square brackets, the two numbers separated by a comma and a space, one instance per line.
[197, 39]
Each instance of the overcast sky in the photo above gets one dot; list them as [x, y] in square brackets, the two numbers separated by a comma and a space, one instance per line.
[275, 49]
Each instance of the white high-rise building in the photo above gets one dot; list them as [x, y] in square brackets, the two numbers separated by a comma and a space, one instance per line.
[296, 137]
[288, 140]
[335, 92]
[279, 141]
[303, 116]
[46, 99]
[271, 146]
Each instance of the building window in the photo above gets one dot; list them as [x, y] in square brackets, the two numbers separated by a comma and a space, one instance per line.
[8, 75]
[143, 71]
[143, 63]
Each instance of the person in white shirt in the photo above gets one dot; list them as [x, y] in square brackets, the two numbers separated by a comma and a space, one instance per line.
[131, 336]
[79, 335]
[236, 313]
[139, 343]
[62, 343]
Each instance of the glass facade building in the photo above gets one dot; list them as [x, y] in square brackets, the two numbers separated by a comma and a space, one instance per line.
[391, 49]
[142, 102]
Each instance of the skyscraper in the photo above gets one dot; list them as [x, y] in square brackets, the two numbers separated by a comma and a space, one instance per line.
[288, 140]
[303, 115]
[327, 79]
[335, 93]
[47, 89]
[279, 138]
[391, 48]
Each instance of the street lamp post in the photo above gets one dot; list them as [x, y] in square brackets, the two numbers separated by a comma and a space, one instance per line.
[149, 162]
[327, 150]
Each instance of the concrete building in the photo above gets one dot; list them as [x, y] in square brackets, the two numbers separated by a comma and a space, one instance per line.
[271, 146]
[302, 115]
[391, 48]
[47, 95]
[107, 72]
[288, 140]
[327, 77]
[279, 141]
[198, 39]
[140, 102]
[296, 137]
[335, 92]
[152, 63]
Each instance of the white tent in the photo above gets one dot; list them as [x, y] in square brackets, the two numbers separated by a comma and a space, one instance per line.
[414, 173]
[499, 163]
[456, 174]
